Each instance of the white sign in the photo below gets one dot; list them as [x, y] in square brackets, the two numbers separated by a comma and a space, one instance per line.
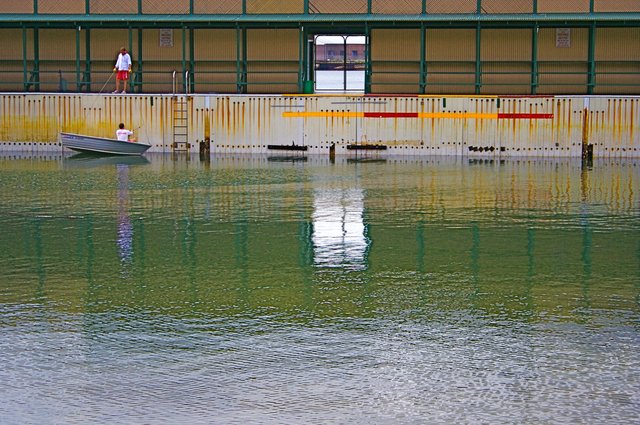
[166, 38]
[563, 37]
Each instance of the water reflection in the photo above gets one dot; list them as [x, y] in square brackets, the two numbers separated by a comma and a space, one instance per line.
[125, 227]
[493, 292]
[339, 232]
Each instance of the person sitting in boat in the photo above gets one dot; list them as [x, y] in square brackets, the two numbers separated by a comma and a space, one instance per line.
[123, 134]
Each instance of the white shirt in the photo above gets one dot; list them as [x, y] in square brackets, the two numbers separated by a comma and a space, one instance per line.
[123, 134]
[124, 62]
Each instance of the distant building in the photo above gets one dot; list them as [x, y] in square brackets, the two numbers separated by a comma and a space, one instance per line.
[335, 52]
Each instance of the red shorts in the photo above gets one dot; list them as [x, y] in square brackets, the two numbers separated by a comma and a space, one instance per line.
[122, 75]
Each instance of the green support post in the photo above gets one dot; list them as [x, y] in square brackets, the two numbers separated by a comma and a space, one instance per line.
[36, 58]
[423, 60]
[139, 68]
[78, 72]
[369, 8]
[139, 7]
[367, 59]
[534, 59]
[184, 57]
[306, 7]
[424, 7]
[192, 63]
[238, 65]
[35, 7]
[591, 62]
[87, 6]
[478, 80]
[301, 58]
[87, 59]
[191, 8]
[25, 73]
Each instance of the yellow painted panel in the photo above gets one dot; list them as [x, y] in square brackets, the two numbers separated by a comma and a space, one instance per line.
[618, 44]
[395, 45]
[506, 45]
[57, 6]
[11, 45]
[451, 78]
[110, 6]
[219, 7]
[396, 7]
[502, 6]
[555, 6]
[215, 44]
[617, 6]
[562, 78]
[154, 52]
[51, 42]
[13, 6]
[166, 7]
[268, 44]
[275, 6]
[451, 6]
[338, 6]
[578, 50]
[451, 45]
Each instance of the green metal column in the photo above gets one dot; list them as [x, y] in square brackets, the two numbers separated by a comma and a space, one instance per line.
[191, 9]
[35, 7]
[241, 60]
[25, 74]
[184, 57]
[87, 60]
[369, 7]
[192, 65]
[534, 59]
[302, 56]
[139, 7]
[36, 59]
[138, 74]
[306, 7]
[424, 7]
[591, 62]
[423, 61]
[87, 7]
[367, 58]
[78, 73]
[478, 82]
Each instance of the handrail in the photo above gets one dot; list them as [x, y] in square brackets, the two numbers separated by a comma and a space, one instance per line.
[173, 82]
[187, 83]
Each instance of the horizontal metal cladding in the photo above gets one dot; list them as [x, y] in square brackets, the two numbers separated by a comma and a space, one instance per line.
[473, 126]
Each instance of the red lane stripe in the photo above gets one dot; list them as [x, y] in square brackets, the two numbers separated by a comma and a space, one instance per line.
[525, 116]
[391, 115]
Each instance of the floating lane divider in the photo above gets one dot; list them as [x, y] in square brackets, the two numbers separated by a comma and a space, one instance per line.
[422, 115]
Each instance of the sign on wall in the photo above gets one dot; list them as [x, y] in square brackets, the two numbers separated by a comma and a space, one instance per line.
[166, 38]
[563, 37]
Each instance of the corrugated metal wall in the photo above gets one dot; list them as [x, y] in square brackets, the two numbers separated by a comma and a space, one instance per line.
[450, 55]
[395, 61]
[407, 125]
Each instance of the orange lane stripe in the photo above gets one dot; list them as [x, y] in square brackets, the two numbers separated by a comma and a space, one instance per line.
[424, 115]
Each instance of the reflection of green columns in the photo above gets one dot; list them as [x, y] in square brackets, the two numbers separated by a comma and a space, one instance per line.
[421, 247]
[587, 243]
[475, 257]
[242, 258]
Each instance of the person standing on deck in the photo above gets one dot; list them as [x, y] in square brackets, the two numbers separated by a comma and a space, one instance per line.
[123, 69]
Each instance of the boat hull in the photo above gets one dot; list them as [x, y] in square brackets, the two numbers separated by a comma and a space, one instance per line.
[101, 145]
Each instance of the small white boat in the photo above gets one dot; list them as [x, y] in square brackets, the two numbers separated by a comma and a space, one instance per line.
[103, 145]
